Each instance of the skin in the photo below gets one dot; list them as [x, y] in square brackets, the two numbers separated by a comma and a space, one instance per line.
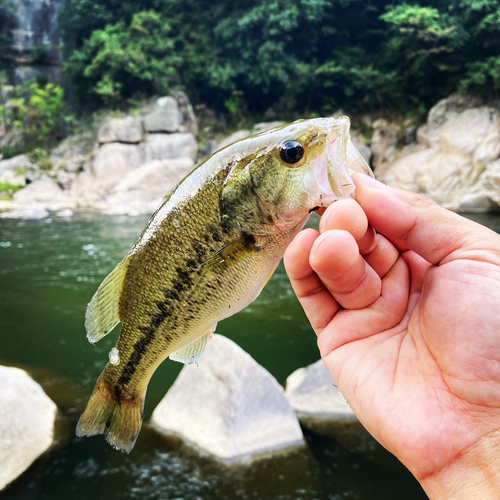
[406, 312]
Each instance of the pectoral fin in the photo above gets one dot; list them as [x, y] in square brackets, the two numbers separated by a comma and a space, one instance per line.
[103, 311]
[193, 351]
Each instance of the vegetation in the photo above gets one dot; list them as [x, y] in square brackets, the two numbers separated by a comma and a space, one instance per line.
[296, 56]
[35, 112]
[7, 190]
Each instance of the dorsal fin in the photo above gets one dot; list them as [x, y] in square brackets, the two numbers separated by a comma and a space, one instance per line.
[192, 352]
[103, 311]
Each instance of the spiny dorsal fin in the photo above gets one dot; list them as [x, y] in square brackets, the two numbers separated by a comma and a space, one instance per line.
[103, 311]
[192, 352]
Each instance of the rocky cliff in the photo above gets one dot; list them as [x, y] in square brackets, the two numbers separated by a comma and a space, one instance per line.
[36, 40]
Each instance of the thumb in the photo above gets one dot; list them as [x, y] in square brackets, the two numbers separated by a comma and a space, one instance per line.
[426, 228]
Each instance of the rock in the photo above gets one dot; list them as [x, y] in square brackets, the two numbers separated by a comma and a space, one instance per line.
[383, 144]
[112, 161]
[236, 136]
[478, 203]
[66, 212]
[167, 146]
[28, 214]
[163, 116]
[314, 396]
[13, 177]
[321, 408]
[73, 152]
[127, 130]
[156, 174]
[27, 421]
[454, 161]
[228, 406]
[189, 121]
[360, 144]
[142, 190]
[45, 192]
[20, 162]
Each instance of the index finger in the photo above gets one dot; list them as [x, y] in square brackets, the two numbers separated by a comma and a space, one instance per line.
[414, 220]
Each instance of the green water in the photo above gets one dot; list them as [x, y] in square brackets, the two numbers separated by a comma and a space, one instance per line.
[48, 272]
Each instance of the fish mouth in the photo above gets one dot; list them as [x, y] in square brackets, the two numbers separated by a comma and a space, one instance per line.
[342, 160]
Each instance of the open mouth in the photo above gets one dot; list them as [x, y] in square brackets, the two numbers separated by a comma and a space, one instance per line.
[343, 159]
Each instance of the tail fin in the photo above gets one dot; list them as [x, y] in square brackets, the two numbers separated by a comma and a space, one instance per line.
[115, 414]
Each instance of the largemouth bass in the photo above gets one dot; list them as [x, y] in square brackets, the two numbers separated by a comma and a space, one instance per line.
[205, 254]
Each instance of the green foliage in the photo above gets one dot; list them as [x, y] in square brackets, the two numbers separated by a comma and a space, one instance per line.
[35, 111]
[294, 56]
[122, 60]
[7, 190]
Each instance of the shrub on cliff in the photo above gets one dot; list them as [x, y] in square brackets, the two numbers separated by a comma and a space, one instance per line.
[35, 111]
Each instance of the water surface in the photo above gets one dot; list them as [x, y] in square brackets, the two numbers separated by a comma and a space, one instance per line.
[48, 272]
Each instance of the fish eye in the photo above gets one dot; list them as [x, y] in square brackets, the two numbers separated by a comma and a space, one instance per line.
[291, 152]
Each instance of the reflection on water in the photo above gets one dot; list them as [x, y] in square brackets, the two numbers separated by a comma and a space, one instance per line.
[48, 273]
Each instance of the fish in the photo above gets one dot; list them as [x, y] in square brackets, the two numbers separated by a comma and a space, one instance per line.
[205, 254]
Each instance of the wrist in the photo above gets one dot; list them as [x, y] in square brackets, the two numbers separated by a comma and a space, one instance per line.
[475, 473]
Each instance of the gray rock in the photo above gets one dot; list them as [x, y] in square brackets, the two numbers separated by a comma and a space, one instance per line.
[167, 146]
[163, 116]
[44, 191]
[156, 175]
[20, 162]
[127, 130]
[13, 177]
[142, 190]
[361, 146]
[315, 397]
[189, 121]
[228, 406]
[321, 408]
[25, 213]
[27, 421]
[112, 161]
[477, 203]
[455, 161]
[66, 212]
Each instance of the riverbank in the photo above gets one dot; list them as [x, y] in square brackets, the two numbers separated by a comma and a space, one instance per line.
[130, 162]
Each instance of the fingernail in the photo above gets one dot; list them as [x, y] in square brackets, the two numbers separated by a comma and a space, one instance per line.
[366, 180]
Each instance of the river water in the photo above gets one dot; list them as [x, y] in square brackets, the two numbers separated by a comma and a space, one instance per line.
[49, 270]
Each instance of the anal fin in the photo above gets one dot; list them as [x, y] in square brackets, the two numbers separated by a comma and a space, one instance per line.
[192, 352]
[103, 311]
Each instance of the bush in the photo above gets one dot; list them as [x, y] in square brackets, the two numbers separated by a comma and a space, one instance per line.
[37, 112]
[294, 56]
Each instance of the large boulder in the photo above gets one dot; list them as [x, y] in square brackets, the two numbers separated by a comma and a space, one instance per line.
[142, 190]
[228, 406]
[315, 397]
[43, 193]
[163, 116]
[27, 423]
[112, 161]
[127, 130]
[20, 162]
[321, 408]
[455, 159]
[189, 121]
[167, 146]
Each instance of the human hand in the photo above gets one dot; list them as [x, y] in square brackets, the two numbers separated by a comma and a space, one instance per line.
[408, 323]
